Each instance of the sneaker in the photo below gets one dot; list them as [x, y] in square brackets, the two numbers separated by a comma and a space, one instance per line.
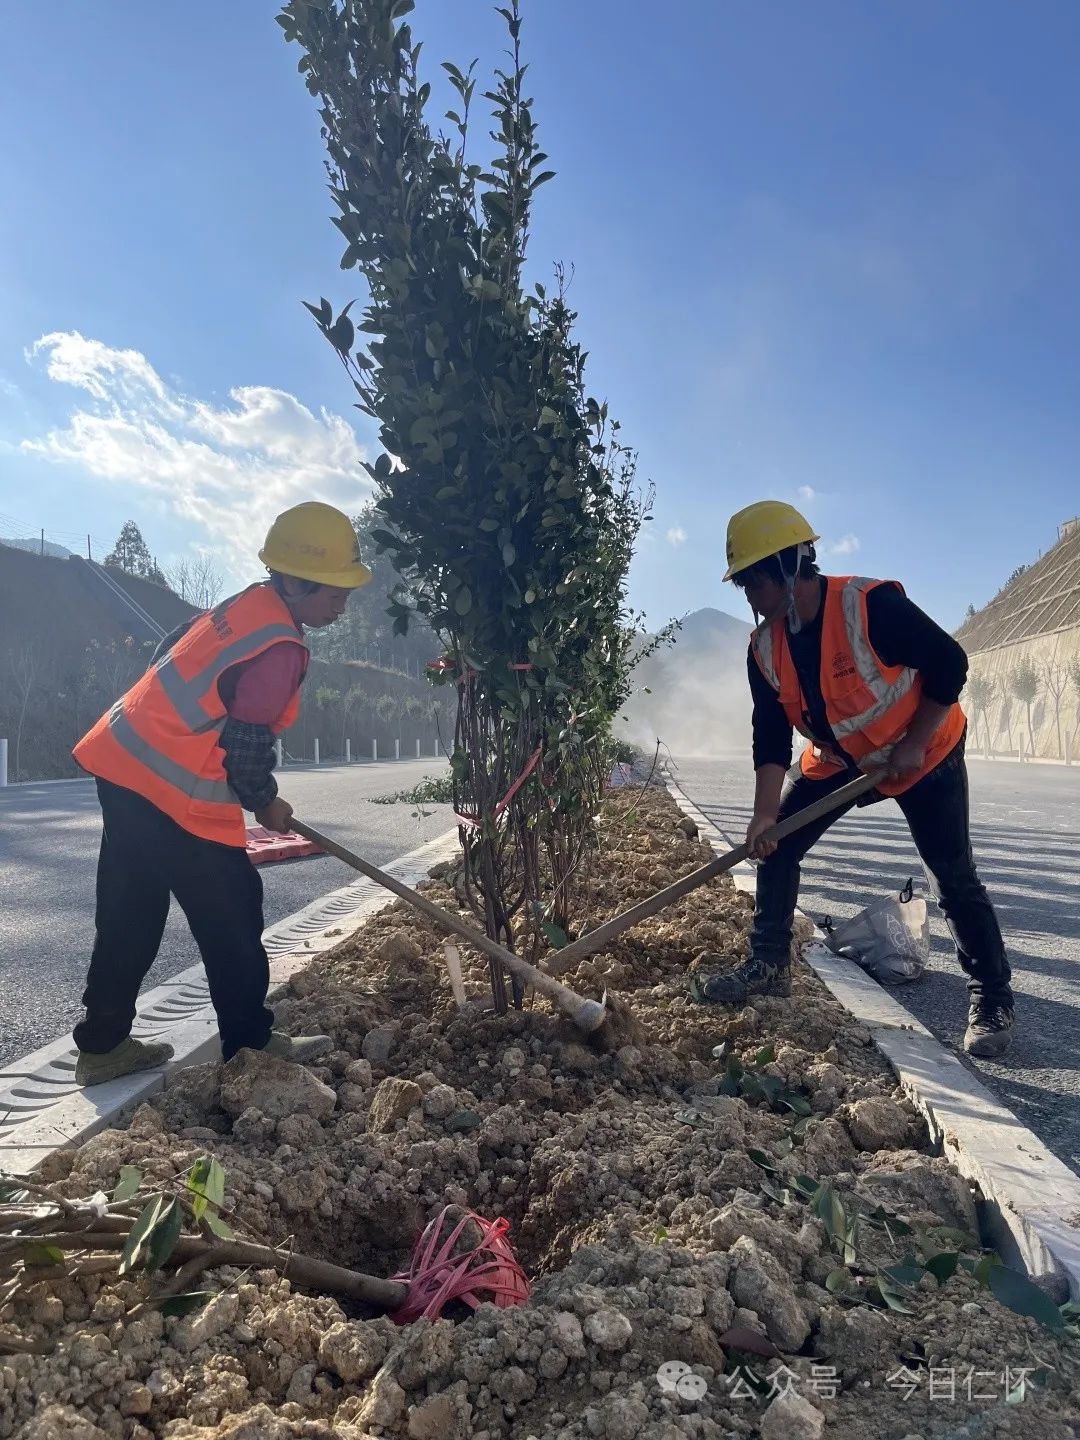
[989, 1030]
[127, 1058]
[298, 1048]
[738, 987]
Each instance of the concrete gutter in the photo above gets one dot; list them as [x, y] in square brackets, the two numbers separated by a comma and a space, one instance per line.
[1032, 1199]
[41, 1107]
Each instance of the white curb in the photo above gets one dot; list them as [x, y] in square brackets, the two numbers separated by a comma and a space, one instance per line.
[1032, 1198]
[41, 1107]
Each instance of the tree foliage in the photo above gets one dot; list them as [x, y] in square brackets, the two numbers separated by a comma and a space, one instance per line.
[131, 553]
[509, 502]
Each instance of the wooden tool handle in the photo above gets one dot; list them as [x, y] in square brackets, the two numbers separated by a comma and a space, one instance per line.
[446, 920]
[597, 939]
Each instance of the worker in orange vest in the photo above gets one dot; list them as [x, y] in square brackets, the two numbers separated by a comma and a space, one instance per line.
[177, 760]
[871, 682]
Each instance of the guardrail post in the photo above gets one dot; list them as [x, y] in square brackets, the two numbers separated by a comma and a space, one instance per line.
[316, 752]
[280, 751]
[3, 762]
[397, 749]
[418, 749]
[374, 749]
[348, 752]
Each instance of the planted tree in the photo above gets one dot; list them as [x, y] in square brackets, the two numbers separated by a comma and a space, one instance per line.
[1024, 683]
[1073, 670]
[508, 499]
[982, 690]
[1055, 681]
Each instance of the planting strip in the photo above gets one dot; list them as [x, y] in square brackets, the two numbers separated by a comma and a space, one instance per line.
[1032, 1199]
[41, 1107]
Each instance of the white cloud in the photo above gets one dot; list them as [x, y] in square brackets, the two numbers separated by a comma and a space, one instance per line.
[676, 535]
[846, 545]
[807, 492]
[228, 469]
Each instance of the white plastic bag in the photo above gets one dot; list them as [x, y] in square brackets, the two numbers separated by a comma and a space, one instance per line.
[889, 939]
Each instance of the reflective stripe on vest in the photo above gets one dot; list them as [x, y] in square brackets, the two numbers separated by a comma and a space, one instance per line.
[187, 695]
[866, 662]
[210, 792]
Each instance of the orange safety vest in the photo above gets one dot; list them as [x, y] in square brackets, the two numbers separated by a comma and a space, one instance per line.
[161, 739]
[869, 704]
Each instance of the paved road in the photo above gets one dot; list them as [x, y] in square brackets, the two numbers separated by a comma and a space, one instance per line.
[1026, 833]
[49, 836]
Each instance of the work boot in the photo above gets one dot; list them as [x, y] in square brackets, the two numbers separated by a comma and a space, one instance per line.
[989, 1030]
[127, 1058]
[738, 987]
[298, 1048]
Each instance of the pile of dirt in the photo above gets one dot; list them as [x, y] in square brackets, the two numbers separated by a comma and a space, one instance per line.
[671, 1295]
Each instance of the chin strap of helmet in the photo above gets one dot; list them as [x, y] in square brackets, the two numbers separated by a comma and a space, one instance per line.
[794, 619]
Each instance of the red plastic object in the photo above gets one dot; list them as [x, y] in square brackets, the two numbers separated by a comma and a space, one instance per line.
[488, 1274]
[264, 846]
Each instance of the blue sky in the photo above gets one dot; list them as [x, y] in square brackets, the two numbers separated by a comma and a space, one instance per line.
[821, 251]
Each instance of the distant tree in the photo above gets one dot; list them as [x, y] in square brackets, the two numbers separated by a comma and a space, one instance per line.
[1055, 681]
[981, 691]
[131, 553]
[352, 703]
[197, 580]
[1024, 682]
[24, 666]
[1020, 570]
[1073, 670]
[971, 612]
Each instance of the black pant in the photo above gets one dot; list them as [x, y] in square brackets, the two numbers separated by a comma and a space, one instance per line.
[936, 810]
[146, 857]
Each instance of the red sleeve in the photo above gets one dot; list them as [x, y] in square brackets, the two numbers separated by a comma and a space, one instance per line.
[257, 691]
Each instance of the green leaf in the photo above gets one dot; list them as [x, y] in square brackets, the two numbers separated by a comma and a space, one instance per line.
[985, 1265]
[829, 1208]
[542, 178]
[554, 935]
[837, 1281]
[509, 555]
[42, 1255]
[185, 1304]
[463, 603]
[148, 1218]
[893, 1297]
[382, 469]
[797, 1104]
[221, 1228]
[765, 1056]
[1024, 1297]
[342, 334]
[162, 1239]
[943, 1266]
[907, 1274]
[660, 1233]
[760, 1158]
[488, 524]
[128, 1183]
[775, 1192]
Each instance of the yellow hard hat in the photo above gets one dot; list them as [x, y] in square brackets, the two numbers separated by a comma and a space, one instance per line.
[762, 530]
[315, 542]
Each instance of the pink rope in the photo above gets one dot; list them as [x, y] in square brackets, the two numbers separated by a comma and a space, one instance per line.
[488, 1274]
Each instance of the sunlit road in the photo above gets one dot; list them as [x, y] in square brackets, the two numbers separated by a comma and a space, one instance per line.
[49, 836]
[1026, 834]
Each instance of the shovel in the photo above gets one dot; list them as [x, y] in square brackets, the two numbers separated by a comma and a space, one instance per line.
[598, 939]
[587, 1015]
